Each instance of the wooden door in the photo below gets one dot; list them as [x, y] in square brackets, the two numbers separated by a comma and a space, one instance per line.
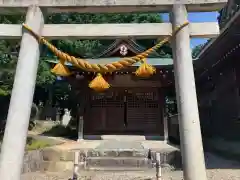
[144, 111]
[133, 111]
[105, 113]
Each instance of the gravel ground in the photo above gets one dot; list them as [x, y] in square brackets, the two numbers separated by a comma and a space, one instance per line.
[217, 169]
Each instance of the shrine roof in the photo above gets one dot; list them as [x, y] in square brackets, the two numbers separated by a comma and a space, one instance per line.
[217, 50]
[132, 47]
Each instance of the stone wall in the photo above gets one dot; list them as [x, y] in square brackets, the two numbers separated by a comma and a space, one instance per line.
[33, 161]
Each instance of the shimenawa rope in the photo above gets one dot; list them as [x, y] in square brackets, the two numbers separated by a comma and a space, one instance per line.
[99, 84]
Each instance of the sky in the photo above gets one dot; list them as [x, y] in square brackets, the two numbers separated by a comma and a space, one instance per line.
[197, 17]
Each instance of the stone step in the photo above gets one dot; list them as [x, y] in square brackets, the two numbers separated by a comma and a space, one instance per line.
[115, 168]
[135, 162]
[165, 156]
[122, 164]
[57, 166]
[164, 169]
[50, 154]
[172, 158]
[55, 155]
[168, 158]
[117, 153]
[98, 164]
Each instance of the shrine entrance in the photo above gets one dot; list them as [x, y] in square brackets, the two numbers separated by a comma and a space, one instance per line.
[125, 111]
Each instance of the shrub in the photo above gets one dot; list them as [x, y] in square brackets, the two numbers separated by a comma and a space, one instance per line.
[33, 144]
[60, 131]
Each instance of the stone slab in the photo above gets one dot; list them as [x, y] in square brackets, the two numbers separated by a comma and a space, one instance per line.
[123, 137]
[110, 6]
[56, 166]
[82, 144]
[32, 161]
[118, 162]
[117, 153]
[50, 154]
[158, 145]
[118, 144]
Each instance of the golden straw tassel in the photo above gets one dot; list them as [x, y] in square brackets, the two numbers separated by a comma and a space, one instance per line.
[60, 69]
[145, 70]
[99, 83]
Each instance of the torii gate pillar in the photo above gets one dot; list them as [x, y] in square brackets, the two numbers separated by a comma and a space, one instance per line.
[189, 125]
[15, 135]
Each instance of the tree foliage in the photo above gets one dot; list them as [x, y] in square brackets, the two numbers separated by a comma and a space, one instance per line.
[8, 61]
[196, 50]
[90, 48]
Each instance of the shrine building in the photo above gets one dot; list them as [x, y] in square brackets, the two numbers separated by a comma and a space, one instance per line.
[132, 105]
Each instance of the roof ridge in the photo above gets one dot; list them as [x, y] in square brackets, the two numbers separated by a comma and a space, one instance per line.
[131, 42]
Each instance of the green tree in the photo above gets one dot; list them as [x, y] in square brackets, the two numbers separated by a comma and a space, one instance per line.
[196, 50]
[9, 50]
[89, 48]
[7, 72]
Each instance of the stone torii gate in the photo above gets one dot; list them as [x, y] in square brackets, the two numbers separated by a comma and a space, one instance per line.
[14, 141]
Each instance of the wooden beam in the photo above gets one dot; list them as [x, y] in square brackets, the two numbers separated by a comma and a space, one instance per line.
[111, 6]
[110, 31]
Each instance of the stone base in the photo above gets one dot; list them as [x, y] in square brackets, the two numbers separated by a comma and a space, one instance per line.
[129, 159]
[109, 155]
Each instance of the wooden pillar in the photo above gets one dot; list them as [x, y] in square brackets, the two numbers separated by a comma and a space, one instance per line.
[190, 133]
[80, 128]
[165, 118]
[15, 135]
[165, 125]
[83, 100]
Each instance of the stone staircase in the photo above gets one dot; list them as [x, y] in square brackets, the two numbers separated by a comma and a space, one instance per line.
[117, 159]
[108, 156]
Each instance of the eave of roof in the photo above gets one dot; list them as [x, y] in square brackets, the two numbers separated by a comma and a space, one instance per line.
[214, 50]
[152, 61]
[214, 41]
